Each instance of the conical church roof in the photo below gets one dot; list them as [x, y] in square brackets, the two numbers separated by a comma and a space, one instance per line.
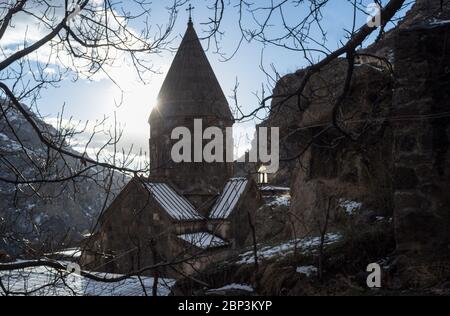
[191, 88]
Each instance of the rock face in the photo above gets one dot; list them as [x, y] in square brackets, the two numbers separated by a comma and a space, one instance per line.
[328, 164]
[380, 181]
[392, 158]
[43, 214]
[422, 140]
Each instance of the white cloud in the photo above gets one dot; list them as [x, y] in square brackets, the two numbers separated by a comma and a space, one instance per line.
[23, 28]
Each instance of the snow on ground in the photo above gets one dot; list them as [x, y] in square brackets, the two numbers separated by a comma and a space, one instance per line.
[350, 207]
[440, 22]
[43, 281]
[303, 245]
[4, 137]
[282, 200]
[8, 144]
[307, 270]
[68, 253]
[233, 286]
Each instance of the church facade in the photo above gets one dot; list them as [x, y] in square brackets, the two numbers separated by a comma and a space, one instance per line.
[186, 215]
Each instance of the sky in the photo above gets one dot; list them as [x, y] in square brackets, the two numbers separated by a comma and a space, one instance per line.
[97, 98]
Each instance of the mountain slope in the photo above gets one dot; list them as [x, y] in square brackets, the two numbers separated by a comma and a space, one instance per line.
[45, 215]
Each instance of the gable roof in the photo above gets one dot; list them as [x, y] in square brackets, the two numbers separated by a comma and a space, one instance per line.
[229, 198]
[203, 240]
[180, 208]
[191, 88]
[176, 206]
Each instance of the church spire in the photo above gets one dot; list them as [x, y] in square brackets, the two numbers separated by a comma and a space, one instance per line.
[191, 88]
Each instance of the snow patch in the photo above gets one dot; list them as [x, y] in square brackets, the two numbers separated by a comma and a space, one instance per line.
[304, 245]
[233, 286]
[440, 22]
[4, 137]
[9, 145]
[307, 270]
[30, 206]
[350, 207]
[284, 200]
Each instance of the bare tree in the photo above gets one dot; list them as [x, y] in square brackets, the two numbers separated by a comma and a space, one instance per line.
[83, 39]
[75, 40]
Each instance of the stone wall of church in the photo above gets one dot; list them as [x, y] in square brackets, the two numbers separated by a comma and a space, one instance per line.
[237, 228]
[135, 232]
[199, 181]
[118, 245]
[132, 233]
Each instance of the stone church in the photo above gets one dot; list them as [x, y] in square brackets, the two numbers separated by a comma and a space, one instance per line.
[184, 216]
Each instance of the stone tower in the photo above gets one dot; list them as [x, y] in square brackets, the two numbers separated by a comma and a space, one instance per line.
[190, 91]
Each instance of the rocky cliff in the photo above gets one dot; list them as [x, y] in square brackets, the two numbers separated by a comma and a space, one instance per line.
[373, 189]
[376, 188]
[390, 158]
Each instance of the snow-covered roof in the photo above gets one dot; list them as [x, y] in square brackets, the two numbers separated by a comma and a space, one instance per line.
[177, 206]
[203, 240]
[229, 198]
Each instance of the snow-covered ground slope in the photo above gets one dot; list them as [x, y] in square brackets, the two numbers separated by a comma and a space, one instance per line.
[303, 245]
[44, 281]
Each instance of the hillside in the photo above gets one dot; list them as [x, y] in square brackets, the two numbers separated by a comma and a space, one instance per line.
[43, 214]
